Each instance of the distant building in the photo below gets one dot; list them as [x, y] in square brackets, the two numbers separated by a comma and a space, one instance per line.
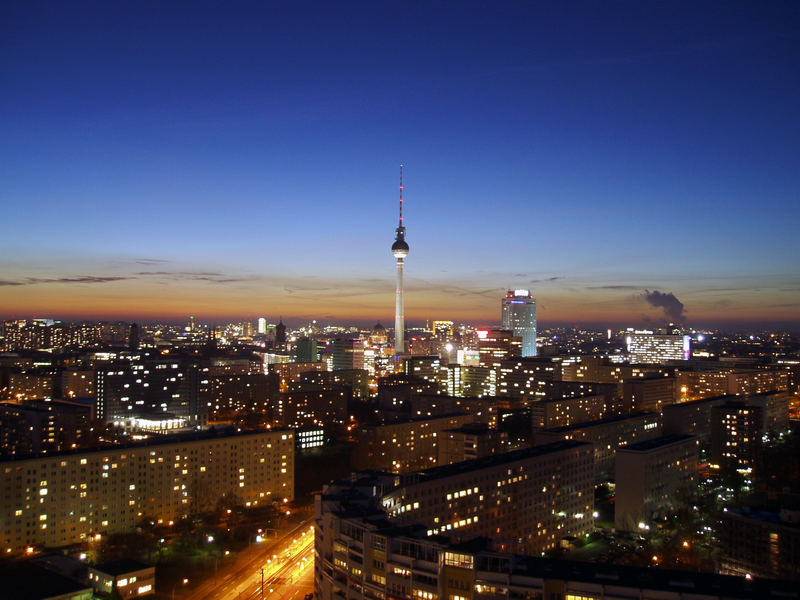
[650, 393]
[606, 435]
[306, 350]
[348, 353]
[280, 334]
[290, 372]
[471, 382]
[737, 429]
[649, 476]
[519, 315]
[227, 394]
[262, 326]
[692, 418]
[312, 407]
[42, 426]
[474, 440]
[645, 346]
[497, 345]
[547, 413]
[169, 387]
[378, 336]
[429, 368]
[404, 446]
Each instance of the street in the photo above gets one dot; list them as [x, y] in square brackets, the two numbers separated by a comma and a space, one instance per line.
[288, 571]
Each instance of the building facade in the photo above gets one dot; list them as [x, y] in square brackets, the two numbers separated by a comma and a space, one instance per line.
[649, 476]
[519, 315]
[69, 498]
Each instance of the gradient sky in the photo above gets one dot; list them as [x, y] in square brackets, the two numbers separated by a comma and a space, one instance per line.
[238, 159]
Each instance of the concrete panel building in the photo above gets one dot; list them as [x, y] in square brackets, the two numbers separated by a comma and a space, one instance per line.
[649, 475]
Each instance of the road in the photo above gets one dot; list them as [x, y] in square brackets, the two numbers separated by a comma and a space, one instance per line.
[288, 571]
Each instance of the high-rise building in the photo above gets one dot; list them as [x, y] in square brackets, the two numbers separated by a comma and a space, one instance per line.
[262, 326]
[348, 353]
[497, 345]
[519, 315]
[400, 251]
[306, 350]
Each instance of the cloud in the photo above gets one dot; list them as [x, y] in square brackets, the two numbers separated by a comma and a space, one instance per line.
[545, 280]
[673, 308]
[151, 261]
[81, 279]
[194, 276]
[612, 287]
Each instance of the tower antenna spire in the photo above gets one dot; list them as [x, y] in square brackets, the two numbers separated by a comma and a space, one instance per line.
[401, 195]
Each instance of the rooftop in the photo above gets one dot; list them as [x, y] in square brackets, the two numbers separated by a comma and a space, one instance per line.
[655, 443]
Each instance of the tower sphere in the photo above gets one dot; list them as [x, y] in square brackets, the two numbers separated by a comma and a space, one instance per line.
[400, 248]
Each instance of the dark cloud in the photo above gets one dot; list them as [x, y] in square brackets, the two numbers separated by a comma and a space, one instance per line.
[673, 308]
[81, 279]
[151, 261]
[544, 280]
[84, 279]
[3, 282]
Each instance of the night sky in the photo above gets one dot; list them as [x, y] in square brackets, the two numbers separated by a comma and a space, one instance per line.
[241, 159]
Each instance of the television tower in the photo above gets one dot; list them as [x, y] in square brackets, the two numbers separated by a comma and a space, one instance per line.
[400, 251]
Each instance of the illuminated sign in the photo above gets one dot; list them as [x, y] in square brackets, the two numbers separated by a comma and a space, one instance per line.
[482, 334]
[522, 292]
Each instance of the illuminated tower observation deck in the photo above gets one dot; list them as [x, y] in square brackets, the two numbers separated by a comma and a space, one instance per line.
[400, 251]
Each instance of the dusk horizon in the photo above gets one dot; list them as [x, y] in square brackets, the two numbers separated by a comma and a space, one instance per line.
[170, 160]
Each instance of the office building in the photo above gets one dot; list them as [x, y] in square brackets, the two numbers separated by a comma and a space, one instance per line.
[306, 350]
[519, 315]
[471, 382]
[497, 345]
[348, 353]
[153, 388]
[645, 346]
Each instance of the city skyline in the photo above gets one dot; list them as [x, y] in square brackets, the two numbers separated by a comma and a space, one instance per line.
[242, 162]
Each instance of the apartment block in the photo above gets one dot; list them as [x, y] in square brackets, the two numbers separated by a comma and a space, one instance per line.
[68, 498]
[649, 476]
[606, 435]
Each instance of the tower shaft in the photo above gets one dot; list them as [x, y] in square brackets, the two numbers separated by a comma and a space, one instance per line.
[399, 311]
